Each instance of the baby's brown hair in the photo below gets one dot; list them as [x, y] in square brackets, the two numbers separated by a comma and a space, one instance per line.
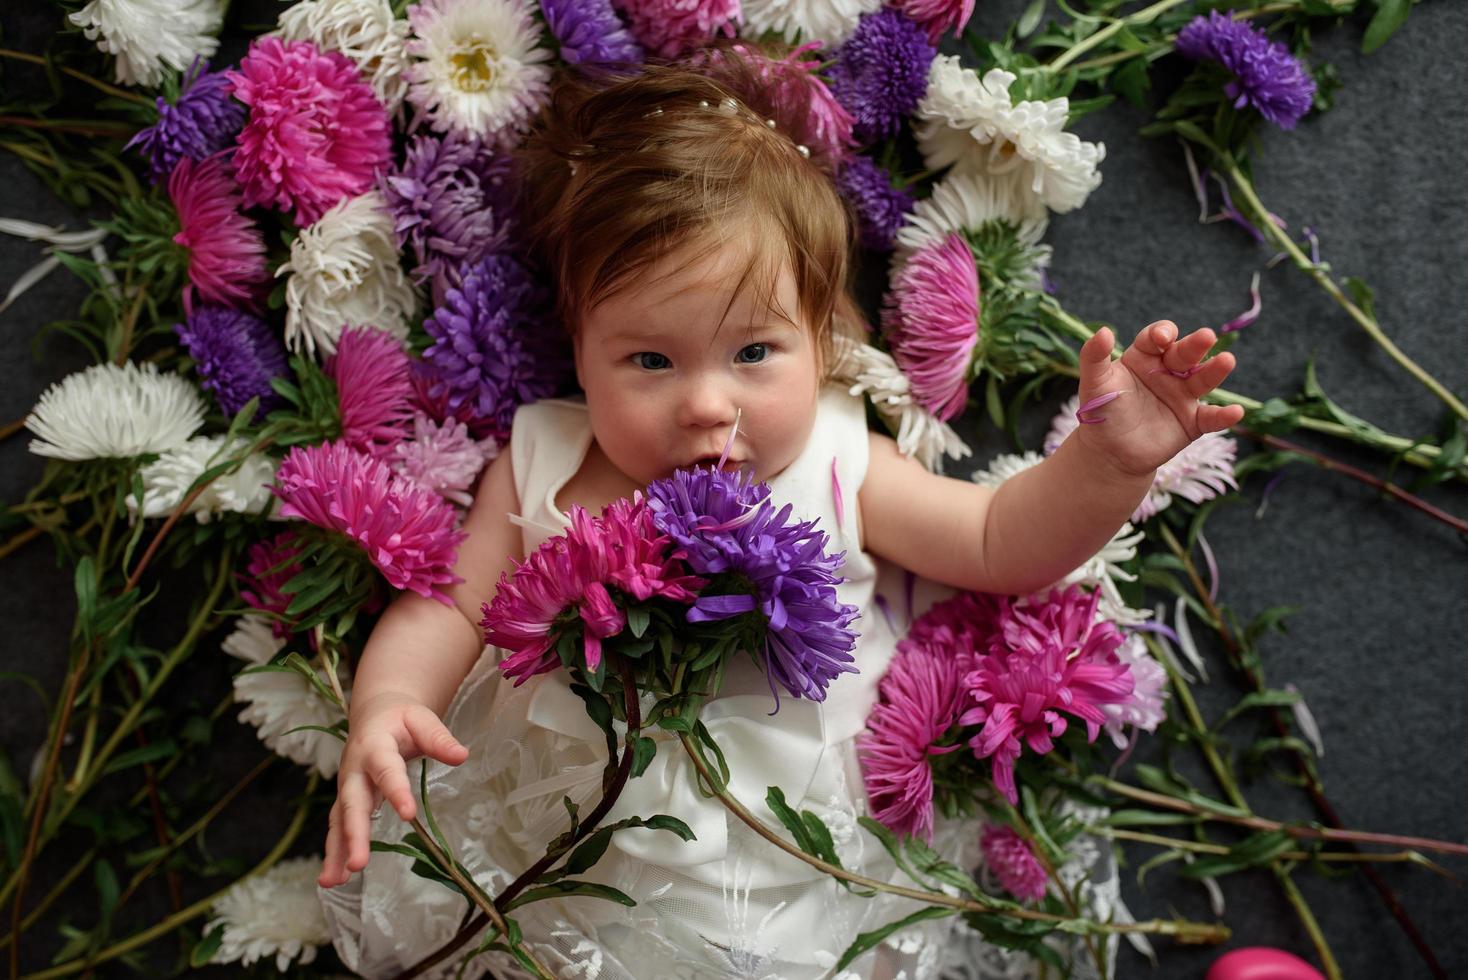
[625, 168]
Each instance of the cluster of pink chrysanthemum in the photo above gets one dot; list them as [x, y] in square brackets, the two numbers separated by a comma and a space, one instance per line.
[931, 321]
[374, 389]
[225, 248]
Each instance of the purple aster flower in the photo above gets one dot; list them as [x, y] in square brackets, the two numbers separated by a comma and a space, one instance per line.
[880, 207]
[761, 560]
[203, 121]
[1266, 75]
[495, 348]
[236, 355]
[881, 72]
[451, 202]
[590, 33]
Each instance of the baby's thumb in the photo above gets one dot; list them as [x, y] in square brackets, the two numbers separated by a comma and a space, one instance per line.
[434, 739]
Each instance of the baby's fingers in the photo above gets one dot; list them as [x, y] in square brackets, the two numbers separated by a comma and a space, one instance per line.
[1190, 350]
[1155, 338]
[333, 870]
[433, 738]
[1210, 374]
[390, 774]
[1215, 418]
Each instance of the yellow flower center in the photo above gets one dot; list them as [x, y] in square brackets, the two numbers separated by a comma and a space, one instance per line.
[474, 65]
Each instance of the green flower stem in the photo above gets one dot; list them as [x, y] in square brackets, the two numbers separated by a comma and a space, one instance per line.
[1199, 847]
[21, 539]
[77, 127]
[1410, 451]
[1363, 319]
[97, 84]
[199, 908]
[1144, 16]
[1191, 932]
[57, 890]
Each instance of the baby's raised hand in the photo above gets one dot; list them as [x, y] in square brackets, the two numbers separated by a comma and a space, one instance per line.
[1160, 378]
[385, 734]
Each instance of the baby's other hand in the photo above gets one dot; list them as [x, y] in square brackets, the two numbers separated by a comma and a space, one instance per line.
[385, 734]
[1160, 379]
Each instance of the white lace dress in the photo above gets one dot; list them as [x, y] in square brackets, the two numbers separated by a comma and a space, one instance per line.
[727, 904]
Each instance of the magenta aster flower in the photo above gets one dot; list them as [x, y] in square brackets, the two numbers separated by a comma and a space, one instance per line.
[406, 531]
[673, 28]
[1009, 856]
[374, 389]
[316, 133]
[799, 101]
[1049, 656]
[271, 566]
[938, 16]
[226, 250]
[1265, 74]
[931, 322]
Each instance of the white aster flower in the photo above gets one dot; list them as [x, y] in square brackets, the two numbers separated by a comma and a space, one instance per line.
[1103, 569]
[365, 31]
[275, 912]
[965, 203]
[443, 457]
[112, 411]
[167, 480]
[831, 21]
[1149, 689]
[277, 701]
[150, 37]
[1202, 470]
[920, 434]
[483, 71]
[344, 272]
[970, 124]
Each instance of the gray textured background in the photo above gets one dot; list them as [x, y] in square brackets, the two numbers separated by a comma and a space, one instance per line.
[1377, 645]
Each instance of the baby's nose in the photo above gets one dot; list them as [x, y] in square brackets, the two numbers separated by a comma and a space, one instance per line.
[706, 405]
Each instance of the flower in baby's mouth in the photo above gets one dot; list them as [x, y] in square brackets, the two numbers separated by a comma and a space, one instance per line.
[931, 321]
[1265, 74]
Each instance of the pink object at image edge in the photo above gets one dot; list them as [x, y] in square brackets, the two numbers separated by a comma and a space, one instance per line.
[1262, 963]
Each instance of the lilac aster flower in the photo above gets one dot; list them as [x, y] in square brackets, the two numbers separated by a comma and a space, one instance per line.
[589, 32]
[236, 354]
[495, 348]
[728, 529]
[451, 203]
[1266, 75]
[880, 207]
[203, 121]
[881, 72]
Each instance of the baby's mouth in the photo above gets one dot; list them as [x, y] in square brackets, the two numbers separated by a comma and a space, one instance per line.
[712, 462]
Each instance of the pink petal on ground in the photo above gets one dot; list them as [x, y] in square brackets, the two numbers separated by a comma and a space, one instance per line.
[836, 494]
[1247, 317]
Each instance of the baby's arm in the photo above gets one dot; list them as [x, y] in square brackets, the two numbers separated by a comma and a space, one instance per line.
[1048, 520]
[419, 652]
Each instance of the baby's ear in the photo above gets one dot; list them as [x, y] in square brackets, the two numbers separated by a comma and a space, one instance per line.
[576, 357]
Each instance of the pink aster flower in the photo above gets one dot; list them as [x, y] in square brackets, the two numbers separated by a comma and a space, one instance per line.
[226, 249]
[1050, 656]
[571, 572]
[271, 565]
[931, 322]
[316, 134]
[1009, 857]
[1202, 470]
[443, 457]
[938, 16]
[673, 28]
[1144, 707]
[794, 95]
[374, 389]
[407, 532]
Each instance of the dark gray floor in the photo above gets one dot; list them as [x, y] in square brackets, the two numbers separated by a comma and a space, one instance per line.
[1376, 646]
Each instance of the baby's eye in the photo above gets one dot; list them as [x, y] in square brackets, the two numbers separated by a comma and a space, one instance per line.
[753, 354]
[651, 361]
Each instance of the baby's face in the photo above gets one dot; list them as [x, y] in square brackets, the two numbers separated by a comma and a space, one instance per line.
[664, 381]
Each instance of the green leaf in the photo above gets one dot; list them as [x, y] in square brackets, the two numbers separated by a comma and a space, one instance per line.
[1155, 779]
[1146, 818]
[204, 950]
[1362, 295]
[1030, 19]
[867, 940]
[1257, 699]
[85, 580]
[1252, 852]
[107, 890]
[889, 840]
[775, 800]
[568, 888]
[643, 751]
[637, 620]
[1131, 82]
[146, 753]
[1390, 15]
[589, 852]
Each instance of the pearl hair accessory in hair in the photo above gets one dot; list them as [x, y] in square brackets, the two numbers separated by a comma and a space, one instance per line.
[726, 106]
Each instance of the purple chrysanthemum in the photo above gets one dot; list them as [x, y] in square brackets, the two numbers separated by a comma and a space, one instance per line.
[494, 349]
[202, 122]
[1009, 857]
[726, 525]
[236, 354]
[590, 33]
[407, 532]
[881, 72]
[450, 203]
[880, 207]
[1266, 75]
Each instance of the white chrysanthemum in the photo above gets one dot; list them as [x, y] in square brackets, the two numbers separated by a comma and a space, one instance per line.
[276, 912]
[167, 480]
[344, 272]
[965, 203]
[277, 701]
[1143, 709]
[112, 411]
[1104, 569]
[970, 124]
[1202, 470]
[443, 458]
[831, 21]
[920, 434]
[483, 70]
[365, 31]
[151, 37]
